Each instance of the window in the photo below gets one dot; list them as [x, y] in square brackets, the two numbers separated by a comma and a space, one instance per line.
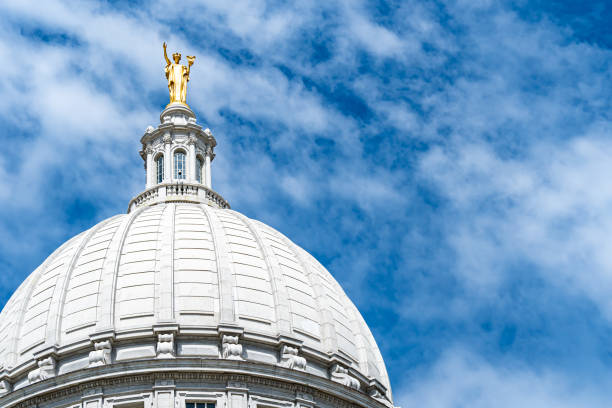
[160, 168]
[179, 167]
[198, 169]
[200, 405]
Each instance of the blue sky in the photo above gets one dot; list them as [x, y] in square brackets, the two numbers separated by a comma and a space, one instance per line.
[447, 161]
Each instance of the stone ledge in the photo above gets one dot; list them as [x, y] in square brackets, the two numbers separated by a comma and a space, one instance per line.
[145, 373]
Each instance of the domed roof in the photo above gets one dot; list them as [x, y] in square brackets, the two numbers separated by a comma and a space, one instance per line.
[188, 264]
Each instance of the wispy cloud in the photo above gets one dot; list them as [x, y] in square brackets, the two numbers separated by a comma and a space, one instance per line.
[447, 161]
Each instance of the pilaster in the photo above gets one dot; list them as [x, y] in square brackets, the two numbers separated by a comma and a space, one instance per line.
[237, 394]
[164, 394]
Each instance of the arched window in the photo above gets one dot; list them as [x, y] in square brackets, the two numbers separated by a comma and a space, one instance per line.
[198, 169]
[179, 165]
[159, 165]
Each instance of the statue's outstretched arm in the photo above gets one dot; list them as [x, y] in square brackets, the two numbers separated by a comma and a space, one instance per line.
[166, 55]
[190, 60]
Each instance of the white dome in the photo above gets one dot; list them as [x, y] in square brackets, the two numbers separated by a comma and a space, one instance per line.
[191, 265]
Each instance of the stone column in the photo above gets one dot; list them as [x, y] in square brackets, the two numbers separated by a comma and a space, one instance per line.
[167, 158]
[191, 160]
[150, 169]
[209, 154]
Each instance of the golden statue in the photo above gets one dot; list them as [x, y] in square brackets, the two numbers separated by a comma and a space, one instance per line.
[178, 76]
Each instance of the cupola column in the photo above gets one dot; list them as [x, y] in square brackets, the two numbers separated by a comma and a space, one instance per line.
[167, 159]
[150, 169]
[209, 154]
[191, 159]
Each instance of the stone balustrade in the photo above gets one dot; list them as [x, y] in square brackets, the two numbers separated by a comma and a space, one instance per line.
[178, 192]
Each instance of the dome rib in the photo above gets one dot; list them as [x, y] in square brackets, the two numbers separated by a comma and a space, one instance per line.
[105, 319]
[360, 343]
[54, 319]
[164, 266]
[13, 354]
[135, 294]
[328, 328]
[225, 273]
[8, 333]
[282, 308]
[27, 299]
[382, 374]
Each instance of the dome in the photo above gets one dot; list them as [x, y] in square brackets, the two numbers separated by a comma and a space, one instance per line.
[195, 267]
[185, 303]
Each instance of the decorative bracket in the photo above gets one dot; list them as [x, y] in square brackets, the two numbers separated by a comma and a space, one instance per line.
[231, 349]
[341, 375]
[46, 369]
[377, 391]
[165, 345]
[101, 355]
[291, 359]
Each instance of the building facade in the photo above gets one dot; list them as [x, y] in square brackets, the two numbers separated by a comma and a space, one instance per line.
[184, 303]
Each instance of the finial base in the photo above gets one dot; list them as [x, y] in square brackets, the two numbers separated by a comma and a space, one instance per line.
[177, 109]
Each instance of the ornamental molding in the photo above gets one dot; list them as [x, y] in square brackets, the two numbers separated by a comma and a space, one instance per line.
[257, 401]
[69, 387]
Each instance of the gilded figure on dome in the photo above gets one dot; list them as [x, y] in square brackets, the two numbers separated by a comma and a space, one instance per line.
[178, 76]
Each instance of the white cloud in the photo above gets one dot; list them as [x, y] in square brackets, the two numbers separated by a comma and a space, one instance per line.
[462, 379]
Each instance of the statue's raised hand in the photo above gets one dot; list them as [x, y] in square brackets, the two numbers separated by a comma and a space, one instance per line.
[190, 60]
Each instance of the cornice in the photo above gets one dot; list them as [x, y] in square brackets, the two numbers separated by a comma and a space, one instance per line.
[146, 373]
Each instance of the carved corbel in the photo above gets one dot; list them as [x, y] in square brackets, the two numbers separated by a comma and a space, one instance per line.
[377, 391]
[341, 375]
[191, 140]
[101, 355]
[209, 151]
[231, 349]
[291, 359]
[46, 369]
[165, 345]
[167, 139]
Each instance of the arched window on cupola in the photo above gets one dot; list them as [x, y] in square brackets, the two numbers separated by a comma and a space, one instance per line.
[179, 165]
[198, 170]
[159, 168]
